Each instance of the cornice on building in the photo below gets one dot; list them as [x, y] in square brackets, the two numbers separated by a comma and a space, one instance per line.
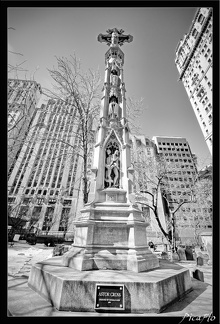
[197, 41]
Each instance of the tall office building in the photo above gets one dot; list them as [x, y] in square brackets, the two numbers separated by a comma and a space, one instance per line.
[46, 179]
[180, 179]
[23, 96]
[194, 63]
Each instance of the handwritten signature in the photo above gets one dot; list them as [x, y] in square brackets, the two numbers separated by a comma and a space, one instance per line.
[208, 317]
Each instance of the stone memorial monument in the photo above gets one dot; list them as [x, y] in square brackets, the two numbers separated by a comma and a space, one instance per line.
[111, 231]
[110, 266]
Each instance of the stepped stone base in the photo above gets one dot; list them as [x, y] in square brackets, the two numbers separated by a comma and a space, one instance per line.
[110, 234]
[94, 258]
[71, 290]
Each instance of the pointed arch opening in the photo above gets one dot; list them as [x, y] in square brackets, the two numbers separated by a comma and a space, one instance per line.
[112, 157]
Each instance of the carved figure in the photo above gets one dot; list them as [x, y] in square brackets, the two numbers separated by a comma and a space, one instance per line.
[115, 37]
[114, 78]
[113, 108]
[113, 166]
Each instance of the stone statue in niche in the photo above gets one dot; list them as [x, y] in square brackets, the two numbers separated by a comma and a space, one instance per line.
[114, 78]
[113, 108]
[112, 166]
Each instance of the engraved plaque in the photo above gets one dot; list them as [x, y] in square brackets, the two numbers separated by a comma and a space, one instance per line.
[109, 297]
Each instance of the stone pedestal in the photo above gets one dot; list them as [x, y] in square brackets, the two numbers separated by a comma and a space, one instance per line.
[68, 289]
[111, 234]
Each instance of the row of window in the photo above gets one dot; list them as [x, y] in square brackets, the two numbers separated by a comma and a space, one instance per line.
[178, 160]
[177, 154]
[176, 144]
[172, 185]
[195, 210]
[176, 149]
[189, 179]
[41, 201]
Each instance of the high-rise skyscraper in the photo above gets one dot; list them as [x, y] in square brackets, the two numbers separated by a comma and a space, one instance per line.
[23, 96]
[194, 64]
[46, 178]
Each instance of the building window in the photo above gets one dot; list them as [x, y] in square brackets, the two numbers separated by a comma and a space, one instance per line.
[194, 33]
[64, 219]
[67, 202]
[51, 201]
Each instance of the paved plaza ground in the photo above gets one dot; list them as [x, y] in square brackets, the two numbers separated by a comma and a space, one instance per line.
[23, 301]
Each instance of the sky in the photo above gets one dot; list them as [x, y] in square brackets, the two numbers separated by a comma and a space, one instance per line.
[40, 34]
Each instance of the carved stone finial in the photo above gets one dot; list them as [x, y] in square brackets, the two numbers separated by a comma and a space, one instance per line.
[115, 37]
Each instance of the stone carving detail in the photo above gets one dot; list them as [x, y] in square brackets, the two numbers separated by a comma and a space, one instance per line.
[115, 37]
[110, 197]
[113, 108]
[112, 165]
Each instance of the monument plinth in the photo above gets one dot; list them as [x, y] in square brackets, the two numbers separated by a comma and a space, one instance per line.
[110, 246]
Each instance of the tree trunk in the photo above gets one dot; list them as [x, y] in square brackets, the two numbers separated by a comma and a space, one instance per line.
[161, 227]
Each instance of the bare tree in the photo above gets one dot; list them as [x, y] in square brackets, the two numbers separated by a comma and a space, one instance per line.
[84, 90]
[151, 179]
[18, 67]
[134, 109]
[148, 176]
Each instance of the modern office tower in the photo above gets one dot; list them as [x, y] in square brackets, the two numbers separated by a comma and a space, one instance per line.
[143, 151]
[46, 179]
[194, 64]
[23, 96]
[179, 181]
